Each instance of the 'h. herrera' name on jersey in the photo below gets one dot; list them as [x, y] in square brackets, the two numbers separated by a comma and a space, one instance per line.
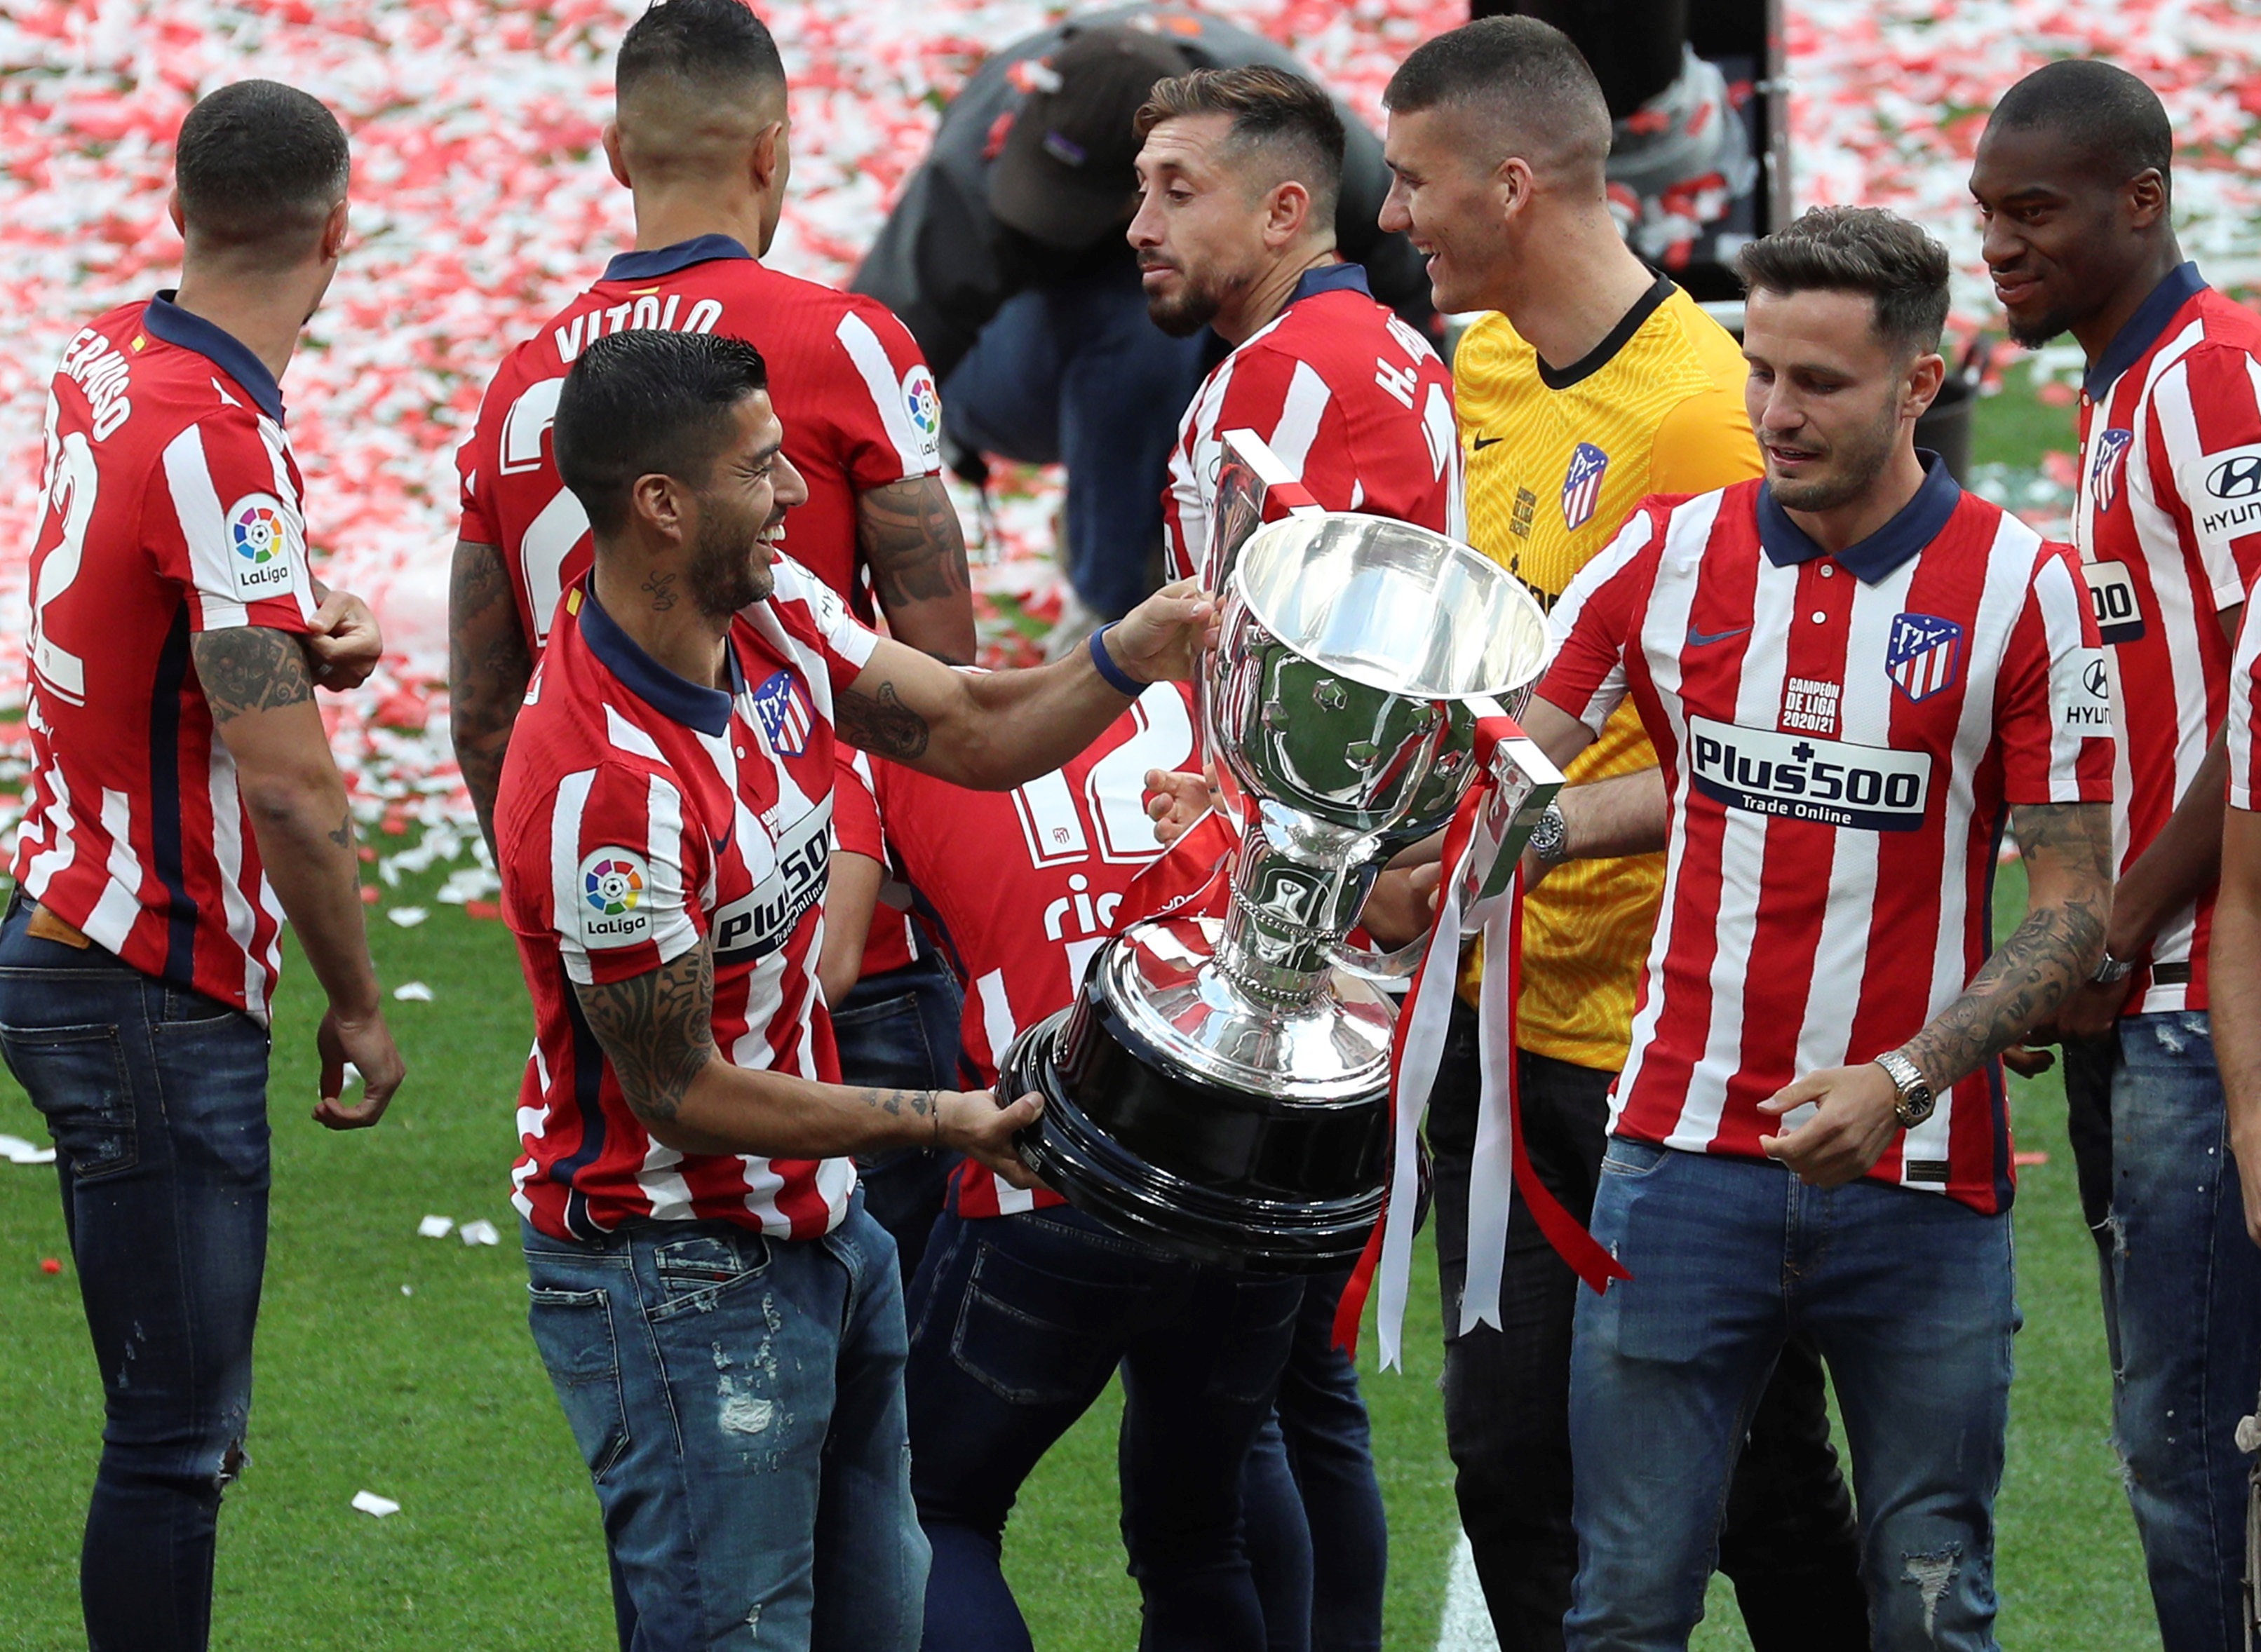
[2168, 522]
[858, 404]
[638, 814]
[1842, 738]
[1352, 399]
[172, 507]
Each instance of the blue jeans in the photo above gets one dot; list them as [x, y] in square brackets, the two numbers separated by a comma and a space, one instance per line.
[156, 1097]
[1076, 373]
[739, 1402]
[1018, 1322]
[899, 1031]
[1315, 1527]
[2184, 1317]
[1910, 1298]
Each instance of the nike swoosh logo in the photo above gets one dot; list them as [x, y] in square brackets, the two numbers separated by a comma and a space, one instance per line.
[722, 843]
[1481, 442]
[1704, 639]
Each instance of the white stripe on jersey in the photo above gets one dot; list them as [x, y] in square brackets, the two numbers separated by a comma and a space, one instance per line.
[114, 914]
[228, 850]
[878, 373]
[2238, 729]
[1301, 414]
[662, 1184]
[1632, 540]
[565, 812]
[2060, 603]
[626, 736]
[62, 849]
[997, 1025]
[1193, 458]
[204, 526]
[302, 575]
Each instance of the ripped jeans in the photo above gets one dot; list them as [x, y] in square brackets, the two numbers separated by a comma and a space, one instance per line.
[2182, 1319]
[156, 1097]
[739, 1400]
[1908, 1295]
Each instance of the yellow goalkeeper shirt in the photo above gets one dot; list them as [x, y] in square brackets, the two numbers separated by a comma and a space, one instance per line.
[1556, 462]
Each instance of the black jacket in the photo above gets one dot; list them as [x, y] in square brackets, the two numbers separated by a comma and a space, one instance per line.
[945, 266]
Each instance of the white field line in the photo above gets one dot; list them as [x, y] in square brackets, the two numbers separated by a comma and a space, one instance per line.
[1466, 1626]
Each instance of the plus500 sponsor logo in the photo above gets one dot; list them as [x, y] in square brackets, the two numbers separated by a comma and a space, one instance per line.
[1872, 789]
[758, 922]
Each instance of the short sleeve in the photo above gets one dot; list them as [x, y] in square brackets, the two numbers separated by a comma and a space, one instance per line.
[888, 411]
[2208, 411]
[855, 809]
[1703, 443]
[2053, 707]
[474, 489]
[2244, 704]
[622, 869]
[814, 613]
[223, 519]
[1596, 620]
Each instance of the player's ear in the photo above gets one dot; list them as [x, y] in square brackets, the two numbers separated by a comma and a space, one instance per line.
[2146, 198]
[613, 158]
[767, 164]
[173, 212]
[1290, 211]
[658, 501]
[1513, 185]
[333, 232]
[1920, 388]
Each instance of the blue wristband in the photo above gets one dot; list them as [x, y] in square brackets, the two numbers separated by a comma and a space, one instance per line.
[1118, 680]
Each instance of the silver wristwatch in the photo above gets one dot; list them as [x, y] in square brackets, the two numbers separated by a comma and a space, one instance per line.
[1550, 839]
[1916, 1100]
[2112, 970]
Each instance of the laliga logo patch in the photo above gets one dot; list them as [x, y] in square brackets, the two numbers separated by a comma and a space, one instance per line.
[2111, 460]
[782, 708]
[613, 884]
[259, 531]
[924, 405]
[1924, 655]
[1581, 486]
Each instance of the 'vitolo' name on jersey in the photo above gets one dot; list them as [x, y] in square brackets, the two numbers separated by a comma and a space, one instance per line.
[758, 922]
[645, 312]
[1797, 777]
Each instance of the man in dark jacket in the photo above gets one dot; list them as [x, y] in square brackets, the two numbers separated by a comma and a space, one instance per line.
[1006, 259]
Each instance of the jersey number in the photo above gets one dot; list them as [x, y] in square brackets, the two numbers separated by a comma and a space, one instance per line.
[1058, 829]
[561, 524]
[71, 482]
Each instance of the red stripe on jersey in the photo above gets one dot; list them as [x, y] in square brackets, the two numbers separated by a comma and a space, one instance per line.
[172, 507]
[1838, 754]
[2168, 522]
[640, 816]
[2244, 714]
[1028, 884]
[1352, 400]
[848, 382]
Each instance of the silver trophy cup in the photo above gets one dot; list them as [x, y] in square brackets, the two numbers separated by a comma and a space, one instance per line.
[1220, 1086]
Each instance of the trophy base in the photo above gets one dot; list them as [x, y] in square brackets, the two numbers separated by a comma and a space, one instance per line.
[1214, 1174]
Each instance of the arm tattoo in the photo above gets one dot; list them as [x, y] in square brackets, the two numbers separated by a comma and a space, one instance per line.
[250, 668]
[911, 542]
[488, 665]
[657, 1029]
[882, 724]
[2044, 960]
[343, 837]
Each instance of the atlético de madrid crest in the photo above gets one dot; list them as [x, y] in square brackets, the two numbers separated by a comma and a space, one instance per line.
[783, 707]
[1581, 485]
[1924, 653]
[2104, 471]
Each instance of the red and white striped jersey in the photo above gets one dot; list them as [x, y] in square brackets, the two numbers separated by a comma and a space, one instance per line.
[172, 507]
[639, 813]
[2168, 521]
[854, 394]
[1352, 399]
[2244, 752]
[1025, 885]
[1840, 737]
[892, 941]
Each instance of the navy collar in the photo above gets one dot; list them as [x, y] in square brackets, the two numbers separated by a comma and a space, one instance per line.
[2176, 288]
[665, 260]
[678, 699]
[167, 320]
[1342, 278]
[1916, 525]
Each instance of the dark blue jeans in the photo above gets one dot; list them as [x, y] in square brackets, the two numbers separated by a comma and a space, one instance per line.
[1076, 373]
[1910, 1298]
[900, 1031]
[1018, 1322]
[1316, 1532]
[156, 1097]
[738, 1401]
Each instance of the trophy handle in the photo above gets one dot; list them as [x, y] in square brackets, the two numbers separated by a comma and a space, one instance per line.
[1254, 486]
[1524, 783]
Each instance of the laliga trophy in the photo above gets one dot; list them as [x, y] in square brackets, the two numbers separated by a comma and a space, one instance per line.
[1220, 1086]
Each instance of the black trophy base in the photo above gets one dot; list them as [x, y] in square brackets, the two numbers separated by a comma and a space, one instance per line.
[1213, 1174]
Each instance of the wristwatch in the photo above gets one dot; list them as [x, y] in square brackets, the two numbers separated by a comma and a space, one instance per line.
[1550, 838]
[1916, 1100]
[2113, 969]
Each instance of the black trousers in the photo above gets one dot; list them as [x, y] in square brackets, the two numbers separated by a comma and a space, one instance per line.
[1788, 1541]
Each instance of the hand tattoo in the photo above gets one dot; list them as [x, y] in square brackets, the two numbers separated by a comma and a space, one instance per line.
[881, 725]
[657, 1029]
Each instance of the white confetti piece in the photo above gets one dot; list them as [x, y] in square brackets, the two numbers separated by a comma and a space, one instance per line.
[407, 917]
[17, 1151]
[413, 992]
[480, 1232]
[369, 1503]
[434, 1227]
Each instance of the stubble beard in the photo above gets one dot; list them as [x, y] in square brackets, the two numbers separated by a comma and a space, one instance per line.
[727, 572]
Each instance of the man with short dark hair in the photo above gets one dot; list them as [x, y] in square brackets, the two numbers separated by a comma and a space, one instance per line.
[1595, 383]
[1850, 671]
[2073, 179]
[178, 765]
[722, 1319]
